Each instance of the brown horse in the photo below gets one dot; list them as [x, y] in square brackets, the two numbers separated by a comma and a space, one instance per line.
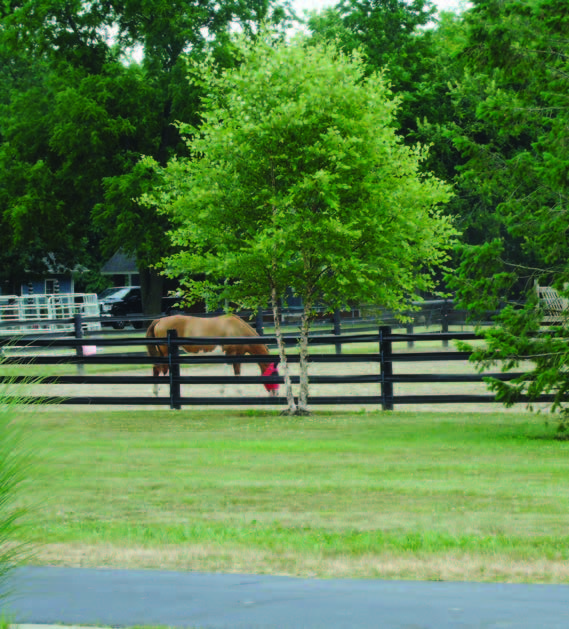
[203, 327]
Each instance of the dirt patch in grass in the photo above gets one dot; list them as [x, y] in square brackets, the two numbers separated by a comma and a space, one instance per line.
[211, 558]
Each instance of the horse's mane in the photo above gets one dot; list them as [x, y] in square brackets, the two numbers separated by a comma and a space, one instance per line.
[257, 348]
[242, 322]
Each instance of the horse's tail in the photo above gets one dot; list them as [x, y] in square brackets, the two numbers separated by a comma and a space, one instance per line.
[152, 349]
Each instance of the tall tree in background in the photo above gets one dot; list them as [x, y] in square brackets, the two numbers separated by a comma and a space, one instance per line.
[292, 184]
[516, 84]
[392, 36]
[77, 112]
[439, 113]
[166, 34]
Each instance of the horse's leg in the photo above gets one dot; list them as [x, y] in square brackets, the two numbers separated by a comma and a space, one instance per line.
[230, 351]
[156, 371]
[227, 371]
[237, 372]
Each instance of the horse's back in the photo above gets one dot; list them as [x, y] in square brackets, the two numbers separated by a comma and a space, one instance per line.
[188, 326]
[228, 326]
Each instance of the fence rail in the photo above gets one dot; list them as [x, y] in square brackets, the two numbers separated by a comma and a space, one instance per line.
[385, 359]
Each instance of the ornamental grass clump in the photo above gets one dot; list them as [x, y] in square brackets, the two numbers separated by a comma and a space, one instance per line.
[15, 461]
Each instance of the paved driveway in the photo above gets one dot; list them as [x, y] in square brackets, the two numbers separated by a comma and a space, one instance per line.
[126, 598]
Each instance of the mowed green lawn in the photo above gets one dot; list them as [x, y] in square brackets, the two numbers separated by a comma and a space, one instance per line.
[482, 496]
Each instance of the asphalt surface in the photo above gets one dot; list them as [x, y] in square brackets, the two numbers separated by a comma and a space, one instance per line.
[142, 597]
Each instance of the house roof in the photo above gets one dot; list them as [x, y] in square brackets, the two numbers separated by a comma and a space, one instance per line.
[119, 263]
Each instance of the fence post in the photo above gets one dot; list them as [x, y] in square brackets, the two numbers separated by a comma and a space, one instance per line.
[338, 329]
[445, 317]
[259, 322]
[174, 369]
[409, 330]
[78, 330]
[386, 368]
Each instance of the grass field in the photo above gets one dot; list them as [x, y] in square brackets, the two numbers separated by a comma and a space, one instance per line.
[449, 496]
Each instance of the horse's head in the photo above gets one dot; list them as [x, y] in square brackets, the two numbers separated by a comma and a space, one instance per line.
[272, 388]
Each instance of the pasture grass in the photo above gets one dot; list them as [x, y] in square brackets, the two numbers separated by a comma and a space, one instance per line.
[449, 496]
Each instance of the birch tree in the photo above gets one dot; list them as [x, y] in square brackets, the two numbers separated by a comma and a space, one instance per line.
[297, 179]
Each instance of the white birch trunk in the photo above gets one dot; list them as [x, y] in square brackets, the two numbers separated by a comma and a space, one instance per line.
[283, 365]
[303, 346]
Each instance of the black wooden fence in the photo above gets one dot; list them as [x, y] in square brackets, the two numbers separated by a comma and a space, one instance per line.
[384, 375]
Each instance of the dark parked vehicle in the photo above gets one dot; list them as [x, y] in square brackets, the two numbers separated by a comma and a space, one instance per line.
[121, 302]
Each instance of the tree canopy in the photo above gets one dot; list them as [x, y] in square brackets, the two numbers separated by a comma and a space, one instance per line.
[291, 184]
[87, 88]
[392, 36]
[513, 135]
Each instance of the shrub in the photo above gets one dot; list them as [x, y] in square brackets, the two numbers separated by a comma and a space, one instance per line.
[15, 460]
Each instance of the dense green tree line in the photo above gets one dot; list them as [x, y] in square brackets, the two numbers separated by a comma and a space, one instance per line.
[86, 89]
[77, 112]
[514, 141]
[490, 91]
